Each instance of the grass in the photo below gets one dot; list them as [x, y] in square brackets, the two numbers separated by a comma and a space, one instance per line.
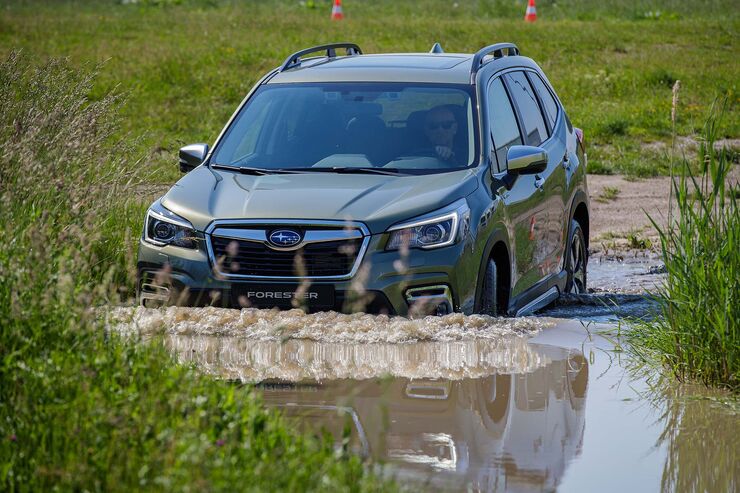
[86, 410]
[186, 64]
[636, 241]
[83, 409]
[608, 194]
[698, 334]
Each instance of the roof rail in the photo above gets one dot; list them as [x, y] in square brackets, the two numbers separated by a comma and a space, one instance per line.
[497, 51]
[295, 59]
[436, 48]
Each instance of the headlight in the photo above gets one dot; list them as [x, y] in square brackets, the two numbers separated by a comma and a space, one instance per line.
[439, 230]
[164, 227]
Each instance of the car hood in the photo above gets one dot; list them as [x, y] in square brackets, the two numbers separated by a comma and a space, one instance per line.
[379, 201]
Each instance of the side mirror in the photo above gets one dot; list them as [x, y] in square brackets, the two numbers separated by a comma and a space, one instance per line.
[526, 160]
[191, 156]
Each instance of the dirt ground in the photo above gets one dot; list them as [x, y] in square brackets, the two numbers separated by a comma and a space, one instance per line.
[620, 219]
[613, 219]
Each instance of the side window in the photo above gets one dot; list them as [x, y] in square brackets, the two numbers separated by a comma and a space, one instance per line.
[549, 106]
[504, 129]
[529, 109]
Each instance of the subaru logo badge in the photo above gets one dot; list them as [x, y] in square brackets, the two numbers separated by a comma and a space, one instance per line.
[284, 238]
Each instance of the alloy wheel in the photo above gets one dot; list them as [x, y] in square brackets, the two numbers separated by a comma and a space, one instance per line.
[577, 264]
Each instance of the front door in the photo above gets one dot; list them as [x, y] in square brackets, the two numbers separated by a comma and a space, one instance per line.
[547, 220]
[521, 199]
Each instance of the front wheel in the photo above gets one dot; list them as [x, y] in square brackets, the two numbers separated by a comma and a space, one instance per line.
[577, 260]
[489, 298]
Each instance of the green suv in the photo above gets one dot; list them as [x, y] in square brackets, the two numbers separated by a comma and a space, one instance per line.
[410, 183]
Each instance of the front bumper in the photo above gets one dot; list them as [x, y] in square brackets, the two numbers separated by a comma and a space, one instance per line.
[423, 282]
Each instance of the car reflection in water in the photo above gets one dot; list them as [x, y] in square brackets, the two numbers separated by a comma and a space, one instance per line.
[497, 414]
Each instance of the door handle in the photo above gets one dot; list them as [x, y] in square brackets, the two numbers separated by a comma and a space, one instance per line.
[539, 183]
[566, 160]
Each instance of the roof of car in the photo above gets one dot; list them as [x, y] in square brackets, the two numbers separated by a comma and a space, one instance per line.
[450, 68]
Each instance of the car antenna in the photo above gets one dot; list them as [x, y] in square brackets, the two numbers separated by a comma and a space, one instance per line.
[436, 48]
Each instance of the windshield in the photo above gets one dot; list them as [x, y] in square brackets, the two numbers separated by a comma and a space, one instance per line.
[409, 128]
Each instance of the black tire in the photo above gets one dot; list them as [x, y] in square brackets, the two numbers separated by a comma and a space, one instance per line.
[576, 264]
[489, 297]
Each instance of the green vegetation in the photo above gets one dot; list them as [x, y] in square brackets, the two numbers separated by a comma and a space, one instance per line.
[637, 241]
[86, 410]
[186, 64]
[698, 335]
[608, 194]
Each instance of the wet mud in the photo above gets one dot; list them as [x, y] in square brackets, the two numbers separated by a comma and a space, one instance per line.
[620, 288]
[629, 272]
[474, 403]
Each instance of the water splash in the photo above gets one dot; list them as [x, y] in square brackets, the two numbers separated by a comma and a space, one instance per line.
[331, 327]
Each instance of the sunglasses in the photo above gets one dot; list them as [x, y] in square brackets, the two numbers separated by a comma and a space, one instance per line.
[436, 125]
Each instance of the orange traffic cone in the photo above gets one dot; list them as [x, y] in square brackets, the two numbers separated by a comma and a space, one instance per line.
[336, 11]
[531, 14]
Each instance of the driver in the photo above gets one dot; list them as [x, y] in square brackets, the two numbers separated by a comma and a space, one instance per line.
[440, 128]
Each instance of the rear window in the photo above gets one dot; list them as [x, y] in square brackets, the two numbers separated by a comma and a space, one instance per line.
[529, 110]
[549, 106]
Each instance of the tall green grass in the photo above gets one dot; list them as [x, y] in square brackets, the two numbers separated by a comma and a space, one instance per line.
[698, 335]
[82, 409]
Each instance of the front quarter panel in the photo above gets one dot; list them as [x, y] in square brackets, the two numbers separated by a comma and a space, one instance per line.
[191, 196]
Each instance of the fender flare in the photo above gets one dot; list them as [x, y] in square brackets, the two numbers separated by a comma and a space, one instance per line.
[499, 234]
[579, 198]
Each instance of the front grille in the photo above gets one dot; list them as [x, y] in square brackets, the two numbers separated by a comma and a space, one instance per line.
[252, 258]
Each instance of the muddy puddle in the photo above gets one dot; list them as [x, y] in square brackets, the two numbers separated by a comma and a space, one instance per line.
[470, 403]
[630, 272]
[619, 289]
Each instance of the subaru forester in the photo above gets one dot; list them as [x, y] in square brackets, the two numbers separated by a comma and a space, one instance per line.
[388, 183]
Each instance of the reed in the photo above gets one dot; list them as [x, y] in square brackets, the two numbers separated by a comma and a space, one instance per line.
[698, 334]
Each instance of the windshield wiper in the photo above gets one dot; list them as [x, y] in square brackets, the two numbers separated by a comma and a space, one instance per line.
[353, 169]
[242, 169]
[246, 170]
